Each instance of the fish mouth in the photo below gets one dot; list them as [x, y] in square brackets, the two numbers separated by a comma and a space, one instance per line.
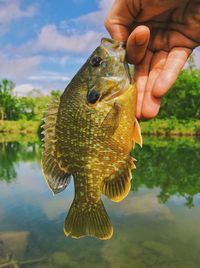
[113, 47]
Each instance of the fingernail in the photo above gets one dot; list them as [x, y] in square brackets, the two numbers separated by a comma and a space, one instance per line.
[140, 39]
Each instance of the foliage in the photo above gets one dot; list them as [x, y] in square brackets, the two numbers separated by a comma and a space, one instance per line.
[171, 127]
[30, 107]
[8, 108]
[55, 93]
[26, 107]
[183, 101]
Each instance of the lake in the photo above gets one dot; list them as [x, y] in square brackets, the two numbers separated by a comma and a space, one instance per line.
[157, 225]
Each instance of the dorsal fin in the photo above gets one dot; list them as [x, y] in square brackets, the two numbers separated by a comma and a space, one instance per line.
[56, 177]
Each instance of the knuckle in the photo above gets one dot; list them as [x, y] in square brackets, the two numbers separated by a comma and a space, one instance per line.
[108, 24]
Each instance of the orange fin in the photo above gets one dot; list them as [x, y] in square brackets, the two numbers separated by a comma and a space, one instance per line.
[137, 137]
[88, 219]
[117, 187]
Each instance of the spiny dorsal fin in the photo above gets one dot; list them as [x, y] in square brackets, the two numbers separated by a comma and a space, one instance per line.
[117, 187]
[137, 137]
[56, 177]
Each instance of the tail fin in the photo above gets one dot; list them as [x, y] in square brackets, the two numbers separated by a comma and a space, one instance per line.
[88, 219]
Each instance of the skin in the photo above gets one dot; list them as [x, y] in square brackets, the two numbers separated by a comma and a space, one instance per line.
[160, 35]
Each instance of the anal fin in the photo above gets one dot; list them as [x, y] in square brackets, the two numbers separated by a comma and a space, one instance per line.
[117, 187]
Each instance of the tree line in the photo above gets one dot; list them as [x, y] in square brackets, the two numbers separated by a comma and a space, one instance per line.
[28, 107]
[181, 102]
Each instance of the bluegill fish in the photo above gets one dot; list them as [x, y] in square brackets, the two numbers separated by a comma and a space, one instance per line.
[89, 134]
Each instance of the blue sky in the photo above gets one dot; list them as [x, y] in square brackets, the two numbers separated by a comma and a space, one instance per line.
[43, 43]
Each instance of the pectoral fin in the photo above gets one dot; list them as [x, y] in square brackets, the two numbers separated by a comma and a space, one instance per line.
[111, 121]
[137, 137]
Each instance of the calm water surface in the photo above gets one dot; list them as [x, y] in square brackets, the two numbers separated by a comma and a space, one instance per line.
[157, 225]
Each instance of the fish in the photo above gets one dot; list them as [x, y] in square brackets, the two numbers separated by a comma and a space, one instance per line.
[89, 133]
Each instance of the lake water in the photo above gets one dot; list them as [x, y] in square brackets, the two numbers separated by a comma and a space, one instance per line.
[157, 225]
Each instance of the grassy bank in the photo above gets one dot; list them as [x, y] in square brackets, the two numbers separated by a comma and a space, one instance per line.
[170, 127]
[19, 127]
[158, 127]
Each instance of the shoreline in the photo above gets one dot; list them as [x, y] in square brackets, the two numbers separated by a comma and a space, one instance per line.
[156, 127]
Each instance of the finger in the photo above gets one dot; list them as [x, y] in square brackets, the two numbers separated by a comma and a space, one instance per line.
[137, 44]
[119, 19]
[141, 72]
[175, 62]
[151, 104]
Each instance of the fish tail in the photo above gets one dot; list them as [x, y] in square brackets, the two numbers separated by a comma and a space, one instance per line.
[88, 219]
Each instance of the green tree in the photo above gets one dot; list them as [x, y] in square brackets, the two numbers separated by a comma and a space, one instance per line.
[26, 107]
[183, 100]
[56, 93]
[8, 102]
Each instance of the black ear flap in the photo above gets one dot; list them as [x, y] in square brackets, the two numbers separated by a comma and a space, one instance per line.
[93, 96]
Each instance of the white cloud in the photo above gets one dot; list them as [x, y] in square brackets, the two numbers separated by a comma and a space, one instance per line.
[18, 67]
[147, 203]
[23, 89]
[49, 76]
[197, 57]
[96, 17]
[52, 40]
[11, 10]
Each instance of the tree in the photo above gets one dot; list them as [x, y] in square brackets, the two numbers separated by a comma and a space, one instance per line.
[26, 107]
[7, 100]
[55, 93]
[183, 101]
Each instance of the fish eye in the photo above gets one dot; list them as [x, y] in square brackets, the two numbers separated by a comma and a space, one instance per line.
[93, 96]
[96, 61]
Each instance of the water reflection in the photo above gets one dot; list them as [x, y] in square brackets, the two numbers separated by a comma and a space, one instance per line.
[172, 165]
[148, 231]
[13, 152]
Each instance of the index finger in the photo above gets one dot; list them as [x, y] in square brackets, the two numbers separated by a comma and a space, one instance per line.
[120, 18]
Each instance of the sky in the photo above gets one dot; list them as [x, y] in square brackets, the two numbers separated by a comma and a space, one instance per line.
[43, 43]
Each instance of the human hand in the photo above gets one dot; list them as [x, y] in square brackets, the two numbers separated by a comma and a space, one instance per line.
[159, 56]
